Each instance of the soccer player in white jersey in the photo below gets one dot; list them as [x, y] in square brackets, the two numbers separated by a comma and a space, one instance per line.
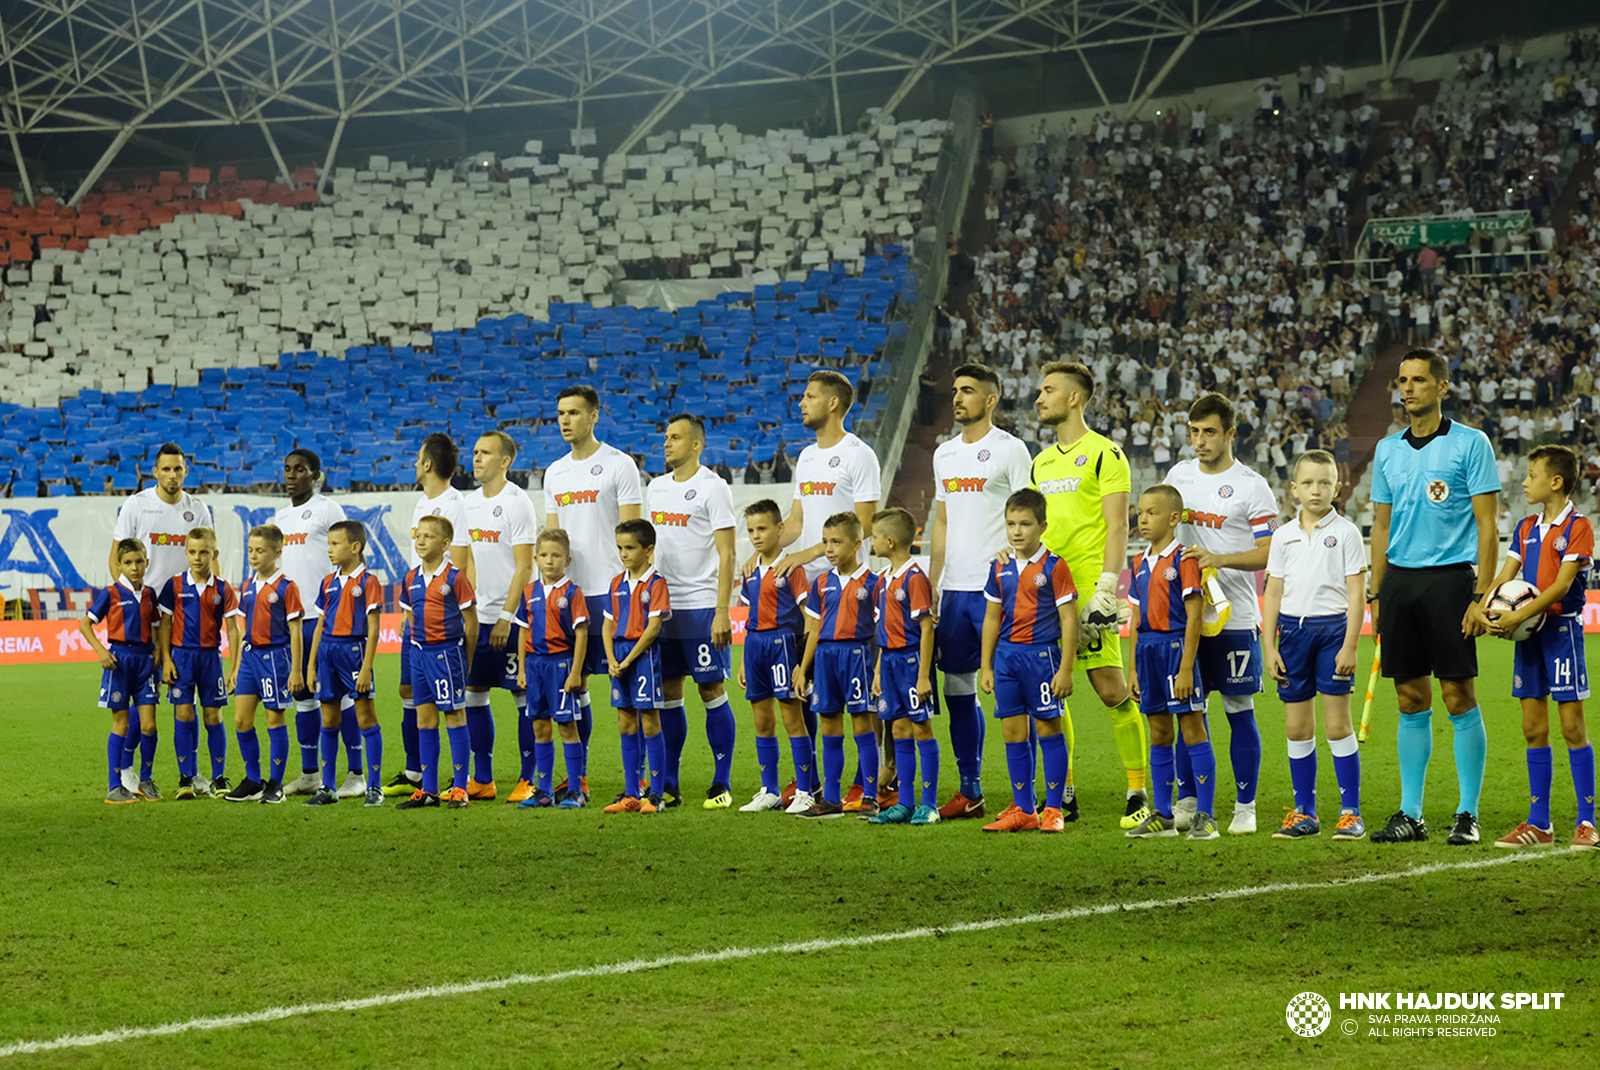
[500, 526]
[973, 474]
[587, 494]
[838, 473]
[436, 463]
[160, 518]
[692, 510]
[305, 522]
[1229, 516]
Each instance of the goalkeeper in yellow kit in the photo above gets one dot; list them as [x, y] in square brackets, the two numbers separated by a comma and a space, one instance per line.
[1085, 481]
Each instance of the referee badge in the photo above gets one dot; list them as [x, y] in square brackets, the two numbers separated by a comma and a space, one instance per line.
[1438, 491]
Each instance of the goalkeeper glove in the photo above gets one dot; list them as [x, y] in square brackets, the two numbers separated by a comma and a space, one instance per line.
[1103, 608]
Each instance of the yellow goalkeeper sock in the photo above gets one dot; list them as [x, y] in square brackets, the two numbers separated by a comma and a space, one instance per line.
[1128, 728]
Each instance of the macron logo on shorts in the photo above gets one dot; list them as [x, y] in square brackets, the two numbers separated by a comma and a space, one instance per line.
[811, 486]
[963, 485]
[483, 535]
[577, 497]
[671, 520]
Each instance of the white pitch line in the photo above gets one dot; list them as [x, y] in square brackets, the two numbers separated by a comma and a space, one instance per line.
[274, 1014]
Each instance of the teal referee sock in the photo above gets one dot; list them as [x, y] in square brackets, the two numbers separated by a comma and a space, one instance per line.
[1414, 741]
[1472, 752]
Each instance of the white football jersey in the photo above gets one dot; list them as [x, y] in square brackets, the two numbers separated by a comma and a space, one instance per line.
[163, 529]
[1226, 513]
[447, 505]
[305, 545]
[832, 481]
[973, 480]
[586, 498]
[686, 516]
[493, 527]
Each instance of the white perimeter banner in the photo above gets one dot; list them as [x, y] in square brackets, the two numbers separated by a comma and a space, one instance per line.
[65, 542]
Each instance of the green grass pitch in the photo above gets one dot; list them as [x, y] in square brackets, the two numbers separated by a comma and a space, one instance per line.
[165, 912]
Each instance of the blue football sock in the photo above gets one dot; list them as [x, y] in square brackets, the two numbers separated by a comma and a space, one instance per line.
[544, 764]
[1347, 767]
[1472, 754]
[350, 732]
[1541, 775]
[527, 742]
[1203, 760]
[1162, 777]
[928, 757]
[832, 766]
[812, 728]
[114, 760]
[278, 751]
[1033, 752]
[147, 755]
[1582, 762]
[1182, 775]
[1019, 763]
[630, 764]
[642, 770]
[805, 760]
[186, 744]
[966, 740]
[675, 734]
[655, 752]
[905, 769]
[586, 721]
[130, 742]
[372, 743]
[330, 755]
[428, 750]
[461, 753]
[408, 735]
[1414, 741]
[480, 736]
[217, 748]
[1244, 752]
[1303, 774]
[867, 763]
[1053, 756]
[308, 731]
[767, 761]
[576, 768]
[722, 732]
[250, 753]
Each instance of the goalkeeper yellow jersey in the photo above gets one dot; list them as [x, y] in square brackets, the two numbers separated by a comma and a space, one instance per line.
[1074, 478]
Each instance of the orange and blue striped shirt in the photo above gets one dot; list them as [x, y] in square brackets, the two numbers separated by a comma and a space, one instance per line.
[1029, 593]
[198, 610]
[436, 601]
[267, 607]
[635, 601]
[345, 601]
[1160, 584]
[549, 616]
[129, 615]
[775, 604]
[845, 606]
[1541, 549]
[904, 598]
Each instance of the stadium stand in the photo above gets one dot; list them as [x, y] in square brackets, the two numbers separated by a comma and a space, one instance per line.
[411, 300]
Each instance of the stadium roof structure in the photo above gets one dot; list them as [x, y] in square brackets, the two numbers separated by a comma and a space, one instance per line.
[134, 68]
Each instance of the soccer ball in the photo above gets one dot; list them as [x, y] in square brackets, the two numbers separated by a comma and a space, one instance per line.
[1513, 595]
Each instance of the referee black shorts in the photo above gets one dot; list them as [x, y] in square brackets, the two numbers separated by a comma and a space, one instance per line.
[1419, 621]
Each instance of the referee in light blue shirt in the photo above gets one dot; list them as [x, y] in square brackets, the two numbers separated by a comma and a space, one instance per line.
[1435, 491]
